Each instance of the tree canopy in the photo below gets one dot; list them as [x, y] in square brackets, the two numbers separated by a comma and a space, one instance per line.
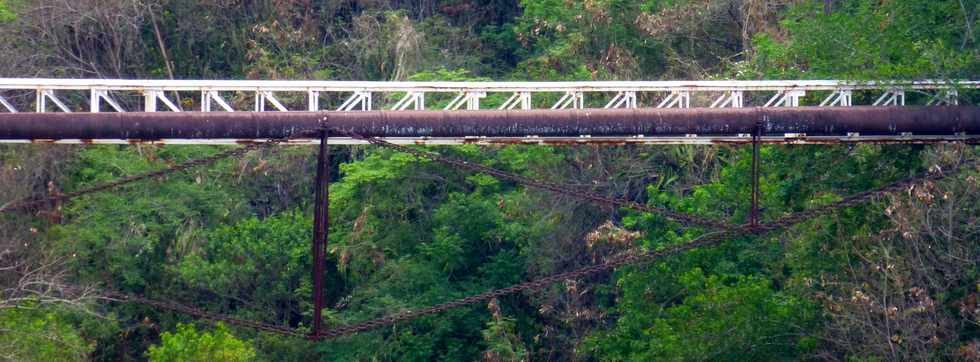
[896, 279]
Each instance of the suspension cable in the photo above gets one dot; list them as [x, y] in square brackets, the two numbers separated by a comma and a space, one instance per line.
[706, 240]
[29, 202]
[683, 218]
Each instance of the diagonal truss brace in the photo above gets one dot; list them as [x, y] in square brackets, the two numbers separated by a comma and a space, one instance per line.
[788, 98]
[43, 95]
[150, 98]
[518, 98]
[838, 98]
[7, 105]
[733, 99]
[626, 99]
[361, 98]
[949, 97]
[97, 96]
[574, 99]
[262, 96]
[677, 99]
[411, 99]
[209, 96]
[894, 97]
[470, 99]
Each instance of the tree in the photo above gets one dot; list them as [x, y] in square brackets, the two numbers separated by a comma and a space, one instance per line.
[34, 333]
[872, 40]
[733, 319]
[189, 345]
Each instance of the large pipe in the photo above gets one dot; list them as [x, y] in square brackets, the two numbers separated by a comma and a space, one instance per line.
[810, 121]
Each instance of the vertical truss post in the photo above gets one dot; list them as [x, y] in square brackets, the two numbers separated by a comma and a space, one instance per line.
[39, 105]
[150, 100]
[754, 216]
[259, 101]
[321, 215]
[313, 101]
[94, 100]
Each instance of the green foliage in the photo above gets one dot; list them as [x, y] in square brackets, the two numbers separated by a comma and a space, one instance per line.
[265, 262]
[868, 39]
[6, 13]
[412, 233]
[121, 236]
[33, 333]
[735, 319]
[407, 233]
[581, 40]
[502, 341]
[187, 344]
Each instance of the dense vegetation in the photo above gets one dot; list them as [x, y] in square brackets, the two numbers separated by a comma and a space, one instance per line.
[898, 279]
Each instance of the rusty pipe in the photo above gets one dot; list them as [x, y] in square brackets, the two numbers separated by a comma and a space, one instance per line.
[649, 122]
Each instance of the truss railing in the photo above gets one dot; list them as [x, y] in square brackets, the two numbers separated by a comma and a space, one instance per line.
[122, 95]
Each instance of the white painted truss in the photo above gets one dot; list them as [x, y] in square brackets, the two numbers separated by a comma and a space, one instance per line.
[103, 95]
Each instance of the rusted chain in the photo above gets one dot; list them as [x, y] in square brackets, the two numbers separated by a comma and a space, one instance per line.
[29, 202]
[683, 218]
[862, 197]
[650, 256]
[533, 285]
[168, 305]
[706, 240]
[200, 313]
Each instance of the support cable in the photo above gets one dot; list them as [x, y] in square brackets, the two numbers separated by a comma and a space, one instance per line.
[29, 202]
[168, 305]
[706, 240]
[683, 218]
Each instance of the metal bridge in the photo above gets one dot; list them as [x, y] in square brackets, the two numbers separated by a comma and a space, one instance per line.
[269, 113]
[689, 112]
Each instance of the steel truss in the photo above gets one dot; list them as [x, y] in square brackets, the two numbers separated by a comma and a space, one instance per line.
[129, 95]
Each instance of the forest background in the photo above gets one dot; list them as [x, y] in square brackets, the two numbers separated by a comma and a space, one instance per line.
[897, 279]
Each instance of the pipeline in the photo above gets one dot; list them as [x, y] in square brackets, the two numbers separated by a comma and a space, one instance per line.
[956, 121]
